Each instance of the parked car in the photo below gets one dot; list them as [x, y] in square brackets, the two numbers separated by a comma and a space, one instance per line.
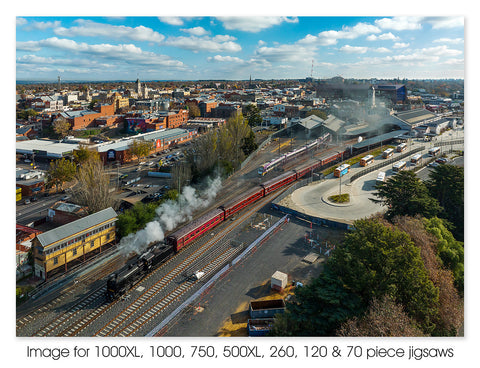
[442, 160]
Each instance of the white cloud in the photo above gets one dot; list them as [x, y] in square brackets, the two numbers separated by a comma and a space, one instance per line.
[453, 41]
[254, 24]
[382, 50]
[127, 53]
[400, 23]
[174, 21]
[353, 49]
[228, 59]
[195, 31]
[219, 43]
[331, 37]
[383, 37]
[89, 28]
[41, 26]
[400, 45]
[286, 53]
[445, 22]
[20, 21]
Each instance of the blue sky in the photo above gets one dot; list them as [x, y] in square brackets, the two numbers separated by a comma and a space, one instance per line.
[226, 47]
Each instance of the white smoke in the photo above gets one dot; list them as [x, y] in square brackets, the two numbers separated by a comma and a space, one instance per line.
[169, 215]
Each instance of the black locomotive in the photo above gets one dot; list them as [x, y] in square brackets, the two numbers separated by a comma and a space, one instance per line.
[125, 278]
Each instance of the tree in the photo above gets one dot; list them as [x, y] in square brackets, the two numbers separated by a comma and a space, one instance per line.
[61, 126]
[383, 318]
[450, 305]
[446, 184]
[193, 110]
[60, 171]
[449, 250]
[376, 260]
[249, 145]
[252, 115]
[83, 154]
[93, 188]
[318, 308]
[25, 114]
[404, 194]
[140, 149]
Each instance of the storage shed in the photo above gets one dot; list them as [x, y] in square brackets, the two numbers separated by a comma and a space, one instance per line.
[279, 280]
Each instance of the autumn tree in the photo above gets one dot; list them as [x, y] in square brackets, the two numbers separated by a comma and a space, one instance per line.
[383, 318]
[61, 171]
[83, 154]
[450, 304]
[93, 188]
[61, 126]
[140, 149]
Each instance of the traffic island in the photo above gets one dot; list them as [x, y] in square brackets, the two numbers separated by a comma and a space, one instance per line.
[340, 198]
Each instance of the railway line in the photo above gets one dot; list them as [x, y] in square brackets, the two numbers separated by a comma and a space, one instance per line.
[169, 284]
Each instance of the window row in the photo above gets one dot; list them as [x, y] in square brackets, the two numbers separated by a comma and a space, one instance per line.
[79, 238]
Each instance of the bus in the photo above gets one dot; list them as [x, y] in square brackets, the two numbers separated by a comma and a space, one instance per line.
[400, 165]
[341, 170]
[401, 147]
[387, 153]
[380, 177]
[366, 160]
[434, 151]
[416, 158]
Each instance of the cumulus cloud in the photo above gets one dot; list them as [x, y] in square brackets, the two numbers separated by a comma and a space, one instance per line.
[124, 52]
[41, 26]
[445, 22]
[331, 37]
[353, 49]
[453, 41]
[195, 31]
[20, 21]
[400, 23]
[174, 21]
[219, 43]
[89, 28]
[383, 37]
[400, 45]
[254, 24]
[222, 59]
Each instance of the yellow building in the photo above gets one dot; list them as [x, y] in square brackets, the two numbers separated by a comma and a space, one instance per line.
[66, 245]
[18, 192]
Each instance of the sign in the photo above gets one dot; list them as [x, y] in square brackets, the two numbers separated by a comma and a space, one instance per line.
[111, 155]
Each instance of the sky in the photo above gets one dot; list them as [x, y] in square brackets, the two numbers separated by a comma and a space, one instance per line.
[237, 47]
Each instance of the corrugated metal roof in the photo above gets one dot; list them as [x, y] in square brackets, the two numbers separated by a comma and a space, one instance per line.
[75, 227]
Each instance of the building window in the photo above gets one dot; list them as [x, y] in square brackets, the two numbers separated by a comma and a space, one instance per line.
[74, 251]
[55, 260]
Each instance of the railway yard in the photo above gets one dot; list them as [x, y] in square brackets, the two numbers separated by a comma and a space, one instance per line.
[81, 306]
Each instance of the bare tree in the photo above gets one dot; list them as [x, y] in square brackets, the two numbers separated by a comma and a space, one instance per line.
[93, 188]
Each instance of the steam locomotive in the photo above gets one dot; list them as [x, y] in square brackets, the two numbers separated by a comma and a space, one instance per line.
[125, 278]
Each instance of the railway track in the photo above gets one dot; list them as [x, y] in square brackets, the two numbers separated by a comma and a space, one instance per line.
[85, 316]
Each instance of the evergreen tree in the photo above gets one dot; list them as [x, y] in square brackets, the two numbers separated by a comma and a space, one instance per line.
[405, 195]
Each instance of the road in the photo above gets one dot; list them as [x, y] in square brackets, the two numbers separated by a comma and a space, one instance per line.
[313, 199]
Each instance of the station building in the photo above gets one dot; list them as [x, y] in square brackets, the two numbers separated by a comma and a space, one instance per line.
[61, 248]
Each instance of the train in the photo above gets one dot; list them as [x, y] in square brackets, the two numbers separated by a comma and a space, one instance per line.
[265, 168]
[125, 278]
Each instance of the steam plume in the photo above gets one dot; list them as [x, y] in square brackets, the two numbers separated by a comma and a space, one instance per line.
[169, 215]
